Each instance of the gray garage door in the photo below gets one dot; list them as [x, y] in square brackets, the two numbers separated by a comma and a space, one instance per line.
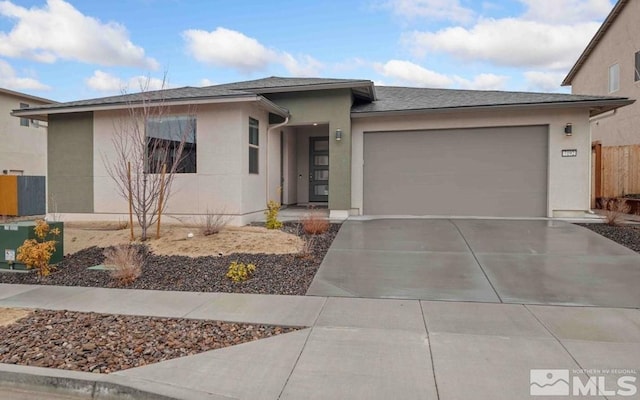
[499, 172]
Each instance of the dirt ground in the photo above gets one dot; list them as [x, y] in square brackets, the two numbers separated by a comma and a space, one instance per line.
[11, 315]
[175, 240]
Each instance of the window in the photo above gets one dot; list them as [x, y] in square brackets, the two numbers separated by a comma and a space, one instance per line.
[637, 68]
[171, 141]
[254, 149]
[24, 121]
[614, 78]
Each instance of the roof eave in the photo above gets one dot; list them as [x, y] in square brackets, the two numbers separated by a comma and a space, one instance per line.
[595, 107]
[27, 96]
[43, 112]
[368, 85]
[617, 9]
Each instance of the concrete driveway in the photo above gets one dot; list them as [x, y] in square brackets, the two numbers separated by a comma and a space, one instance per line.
[508, 261]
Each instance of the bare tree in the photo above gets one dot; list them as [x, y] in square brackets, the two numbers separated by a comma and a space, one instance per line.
[151, 147]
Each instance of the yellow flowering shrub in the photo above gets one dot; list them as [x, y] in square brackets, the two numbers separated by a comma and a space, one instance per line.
[273, 208]
[36, 253]
[239, 272]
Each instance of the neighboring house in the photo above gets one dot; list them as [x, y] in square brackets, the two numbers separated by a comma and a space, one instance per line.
[610, 65]
[23, 141]
[358, 148]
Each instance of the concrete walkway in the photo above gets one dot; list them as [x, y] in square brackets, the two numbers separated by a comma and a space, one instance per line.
[353, 349]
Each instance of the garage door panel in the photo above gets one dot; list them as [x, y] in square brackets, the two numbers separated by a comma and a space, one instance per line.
[483, 172]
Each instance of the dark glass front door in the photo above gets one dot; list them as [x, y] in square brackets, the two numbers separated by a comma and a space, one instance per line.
[319, 169]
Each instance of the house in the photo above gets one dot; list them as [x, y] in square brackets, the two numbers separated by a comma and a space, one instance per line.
[23, 149]
[359, 148]
[610, 65]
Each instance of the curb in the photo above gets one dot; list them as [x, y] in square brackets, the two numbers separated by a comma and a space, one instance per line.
[72, 383]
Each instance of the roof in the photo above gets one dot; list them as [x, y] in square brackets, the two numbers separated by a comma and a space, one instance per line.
[275, 84]
[407, 100]
[26, 96]
[611, 18]
[177, 96]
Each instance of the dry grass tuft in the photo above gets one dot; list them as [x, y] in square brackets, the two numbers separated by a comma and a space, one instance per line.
[125, 262]
[213, 222]
[314, 223]
[614, 210]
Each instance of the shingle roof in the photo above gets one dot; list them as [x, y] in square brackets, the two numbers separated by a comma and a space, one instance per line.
[183, 93]
[394, 99]
[611, 18]
[281, 82]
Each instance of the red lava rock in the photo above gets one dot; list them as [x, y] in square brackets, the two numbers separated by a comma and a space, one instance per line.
[27, 341]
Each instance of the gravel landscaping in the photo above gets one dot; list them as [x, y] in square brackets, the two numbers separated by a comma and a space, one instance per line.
[626, 235]
[285, 274]
[104, 343]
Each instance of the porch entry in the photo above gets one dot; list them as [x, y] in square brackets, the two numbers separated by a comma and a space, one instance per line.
[319, 169]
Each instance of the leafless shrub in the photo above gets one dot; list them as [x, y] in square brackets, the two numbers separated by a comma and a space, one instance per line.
[213, 222]
[314, 223]
[122, 225]
[308, 244]
[125, 263]
[614, 211]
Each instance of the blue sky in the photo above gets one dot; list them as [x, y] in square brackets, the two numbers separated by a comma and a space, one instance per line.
[75, 49]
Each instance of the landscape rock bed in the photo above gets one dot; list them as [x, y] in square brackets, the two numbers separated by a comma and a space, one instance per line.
[284, 274]
[104, 343]
[626, 235]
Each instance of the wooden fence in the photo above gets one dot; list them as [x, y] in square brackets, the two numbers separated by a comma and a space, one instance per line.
[619, 170]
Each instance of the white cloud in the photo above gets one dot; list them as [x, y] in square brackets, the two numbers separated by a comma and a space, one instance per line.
[105, 82]
[544, 81]
[450, 10]
[483, 82]
[567, 11]
[9, 79]
[59, 31]
[232, 49]
[408, 73]
[206, 82]
[510, 42]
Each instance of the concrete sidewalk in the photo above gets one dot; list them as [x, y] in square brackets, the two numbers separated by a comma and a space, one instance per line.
[354, 348]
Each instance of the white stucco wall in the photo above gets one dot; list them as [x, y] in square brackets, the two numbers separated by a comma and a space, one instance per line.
[290, 184]
[22, 148]
[222, 182]
[569, 178]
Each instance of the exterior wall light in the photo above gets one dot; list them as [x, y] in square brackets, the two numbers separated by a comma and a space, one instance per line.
[568, 129]
[338, 135]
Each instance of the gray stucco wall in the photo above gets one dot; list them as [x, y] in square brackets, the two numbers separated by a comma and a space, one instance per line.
[70, 163]
[332, 107]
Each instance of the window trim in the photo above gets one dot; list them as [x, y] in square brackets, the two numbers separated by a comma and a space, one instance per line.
[636, 69]
[614, 79]
[254, 147]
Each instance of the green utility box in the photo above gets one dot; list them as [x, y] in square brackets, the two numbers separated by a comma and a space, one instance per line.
[12, 235]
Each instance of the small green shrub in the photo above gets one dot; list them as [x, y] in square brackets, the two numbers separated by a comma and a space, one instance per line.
[240, 272]
[273, 208]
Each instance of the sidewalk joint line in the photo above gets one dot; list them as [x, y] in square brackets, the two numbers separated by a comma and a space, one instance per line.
[477, 261]
[433, 365]
[306, 340]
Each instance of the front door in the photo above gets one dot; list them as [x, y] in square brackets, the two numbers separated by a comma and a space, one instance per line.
[319, 169]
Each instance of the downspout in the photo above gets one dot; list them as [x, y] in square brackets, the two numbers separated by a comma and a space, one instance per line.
[269, 130]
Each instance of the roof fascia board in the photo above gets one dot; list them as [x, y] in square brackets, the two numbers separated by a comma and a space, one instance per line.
[595, 40]
[26, 96]
[607, 104]
[25, 112]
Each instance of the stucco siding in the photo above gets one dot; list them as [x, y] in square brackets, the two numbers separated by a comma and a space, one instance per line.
[568, 181]
[70, 163]
[217, 185]
[617, 46]
[332, 107]
[23, 148]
